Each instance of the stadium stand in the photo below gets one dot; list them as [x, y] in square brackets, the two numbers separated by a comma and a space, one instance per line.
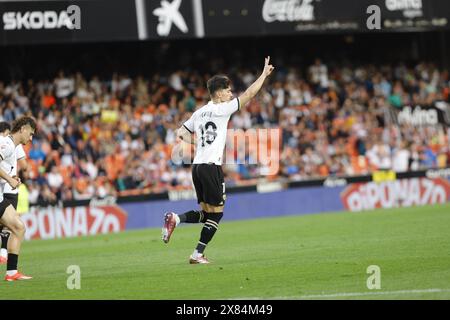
[335, 121]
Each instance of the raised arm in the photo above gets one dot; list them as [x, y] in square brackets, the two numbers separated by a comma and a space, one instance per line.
[256, 86]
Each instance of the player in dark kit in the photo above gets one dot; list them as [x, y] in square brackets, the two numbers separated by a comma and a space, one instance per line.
[210, 123]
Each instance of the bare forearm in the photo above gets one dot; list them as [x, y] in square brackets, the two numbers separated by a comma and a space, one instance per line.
[252, 90]
[256, 86]
[188, 140]
[4, 175]
[185, 135]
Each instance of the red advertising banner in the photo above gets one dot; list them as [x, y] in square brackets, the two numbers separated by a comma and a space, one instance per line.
[55, 222]
[397, 193]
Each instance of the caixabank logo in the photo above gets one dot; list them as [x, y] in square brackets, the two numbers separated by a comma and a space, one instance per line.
[169, 14]
[397, 193]
[54, 222]
[36, 20]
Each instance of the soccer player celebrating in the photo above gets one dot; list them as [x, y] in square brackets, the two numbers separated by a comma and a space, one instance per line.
[9, 193]
[210, 123]
[22, 133]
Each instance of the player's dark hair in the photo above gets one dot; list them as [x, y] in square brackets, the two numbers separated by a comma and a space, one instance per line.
[4, 126]
[23, 121]
[216, 83]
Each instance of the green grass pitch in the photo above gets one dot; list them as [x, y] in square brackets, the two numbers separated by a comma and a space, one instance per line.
[321, 256]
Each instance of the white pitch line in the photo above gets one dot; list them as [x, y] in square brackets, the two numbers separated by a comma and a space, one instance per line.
[348, 294]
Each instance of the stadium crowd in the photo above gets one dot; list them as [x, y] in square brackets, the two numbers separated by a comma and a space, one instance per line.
[98, 137]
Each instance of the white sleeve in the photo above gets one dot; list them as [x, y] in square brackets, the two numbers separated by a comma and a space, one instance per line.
[228, 108]
[189, 124]
[20, 153]
[5, 150]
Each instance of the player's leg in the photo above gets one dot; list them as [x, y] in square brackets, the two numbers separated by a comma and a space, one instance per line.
[12, 221]
[5, 234]
[214, 196]
[172, 220]
[209, 229]
[192, 216]
[195, 216]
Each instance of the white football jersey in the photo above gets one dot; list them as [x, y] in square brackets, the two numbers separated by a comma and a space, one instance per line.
[210, 124]
[8, 160]
[20, 154]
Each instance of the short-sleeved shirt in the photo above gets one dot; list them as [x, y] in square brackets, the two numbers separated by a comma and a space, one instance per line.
[8, 160]
[210, 124]
[20, 154]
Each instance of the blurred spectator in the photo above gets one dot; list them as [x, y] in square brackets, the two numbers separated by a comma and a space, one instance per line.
[401, 156]
[55, 180]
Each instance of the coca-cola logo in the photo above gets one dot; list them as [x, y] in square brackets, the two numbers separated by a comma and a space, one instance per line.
[54, 222]
[398, 193]
[288, 10]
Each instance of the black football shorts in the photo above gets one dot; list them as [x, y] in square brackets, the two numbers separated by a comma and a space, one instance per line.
[12, 198]
[209, 184]
[3, 205]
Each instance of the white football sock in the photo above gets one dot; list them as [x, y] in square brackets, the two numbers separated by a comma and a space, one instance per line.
[3, 253]
[11, 272]
[196, 254]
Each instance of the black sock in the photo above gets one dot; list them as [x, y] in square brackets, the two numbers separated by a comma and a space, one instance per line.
[5, 237]
[12, 261]
[192, 217]
[209, 229]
